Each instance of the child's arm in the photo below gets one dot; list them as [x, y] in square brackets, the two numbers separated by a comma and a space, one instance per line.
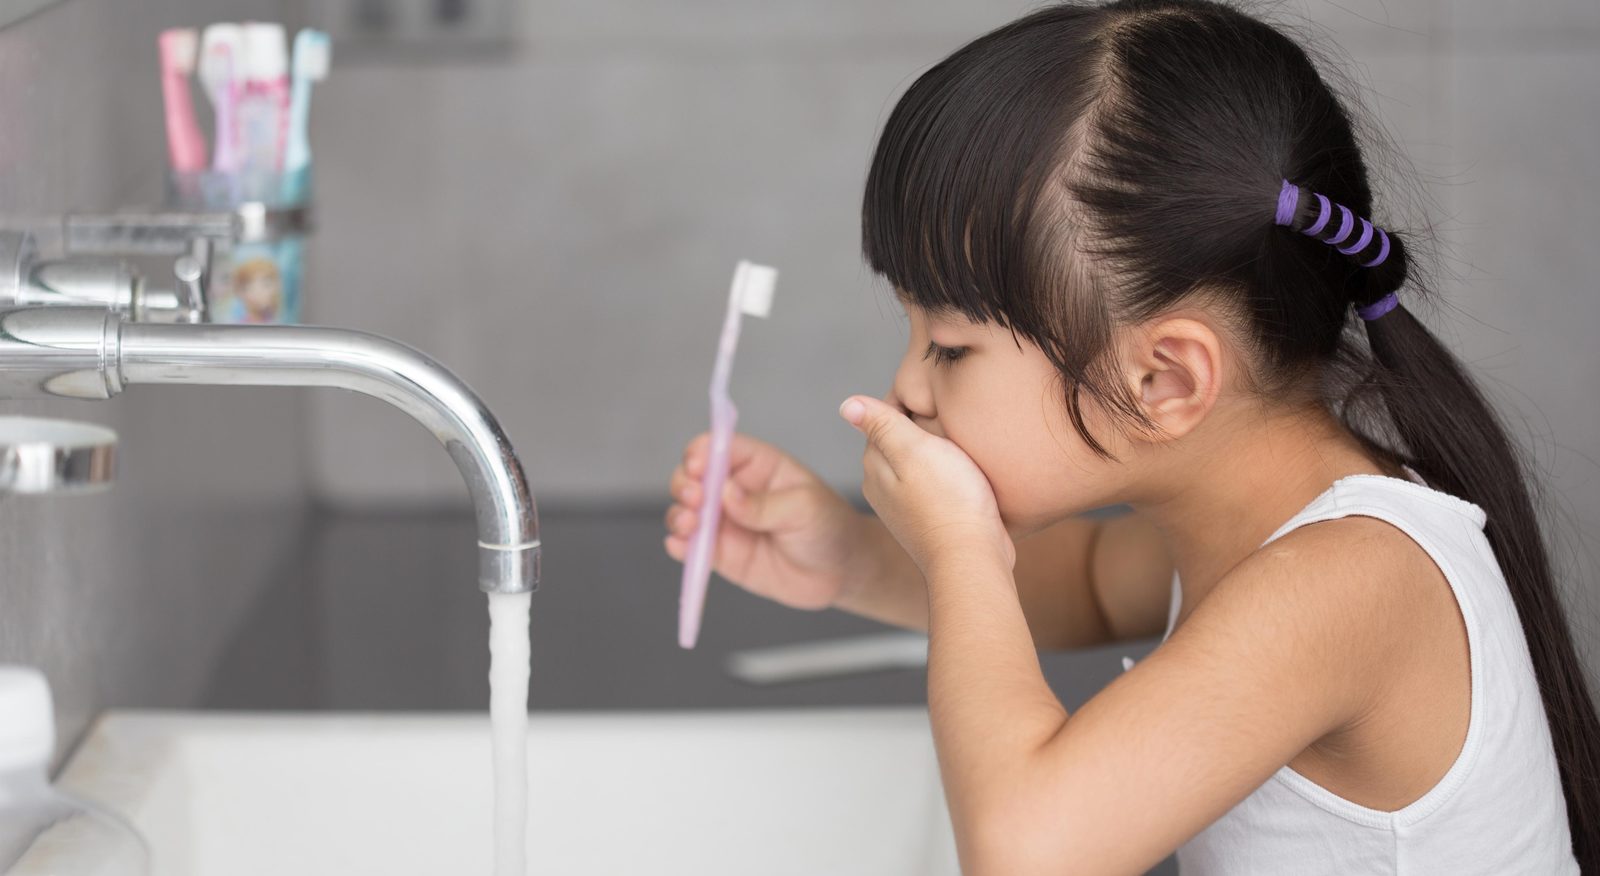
[1081, 582]
[882, 583]
[1288, 647]
[1298, 640]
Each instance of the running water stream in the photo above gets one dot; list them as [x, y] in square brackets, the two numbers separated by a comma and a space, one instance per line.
[509, 663]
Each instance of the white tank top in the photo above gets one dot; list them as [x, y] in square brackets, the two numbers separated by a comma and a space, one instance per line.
[1499, 808]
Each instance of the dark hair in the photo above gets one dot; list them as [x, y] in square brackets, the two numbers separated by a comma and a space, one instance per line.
[1087, 166]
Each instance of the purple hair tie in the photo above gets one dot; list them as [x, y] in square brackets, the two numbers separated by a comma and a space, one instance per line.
[1383, 250]
[1378, 308]
[1324, 212]
[1361, 242]
[1288, 201]
[1347, 222]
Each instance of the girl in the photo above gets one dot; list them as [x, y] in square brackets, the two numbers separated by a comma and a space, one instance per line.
[1129, 239]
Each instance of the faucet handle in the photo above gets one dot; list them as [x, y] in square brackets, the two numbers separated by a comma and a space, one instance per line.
[193, 273]
[26, 279]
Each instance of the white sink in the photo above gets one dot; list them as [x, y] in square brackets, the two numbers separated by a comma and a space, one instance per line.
[836, 792]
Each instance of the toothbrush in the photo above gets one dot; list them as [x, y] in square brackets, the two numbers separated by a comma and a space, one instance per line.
[221, 62]
[311, 60]
[753, 286]
[186, 148]
[264, 97]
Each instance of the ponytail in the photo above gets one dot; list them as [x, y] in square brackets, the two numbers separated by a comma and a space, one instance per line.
[1448, 433]
[1454, 440]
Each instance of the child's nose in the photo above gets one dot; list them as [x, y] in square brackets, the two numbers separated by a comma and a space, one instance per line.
[911, 395]
[895, 400]
[923, 421]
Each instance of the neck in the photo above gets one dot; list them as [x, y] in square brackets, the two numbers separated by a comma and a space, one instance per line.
[1219, 500]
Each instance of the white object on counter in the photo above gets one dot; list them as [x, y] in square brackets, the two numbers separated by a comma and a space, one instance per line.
[831, 657]
[42, 831]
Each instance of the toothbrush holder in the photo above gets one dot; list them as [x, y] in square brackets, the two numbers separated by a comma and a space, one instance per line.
[258, 278]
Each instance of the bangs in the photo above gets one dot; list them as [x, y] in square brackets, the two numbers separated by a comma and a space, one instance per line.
[957, 176]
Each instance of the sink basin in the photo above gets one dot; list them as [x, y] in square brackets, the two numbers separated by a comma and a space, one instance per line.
[813, 791]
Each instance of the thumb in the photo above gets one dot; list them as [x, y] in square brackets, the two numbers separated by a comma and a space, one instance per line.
[884, 426]
[764, 511]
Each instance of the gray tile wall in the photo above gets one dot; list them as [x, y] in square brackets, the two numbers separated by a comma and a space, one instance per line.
[129, 597]
[558, 223]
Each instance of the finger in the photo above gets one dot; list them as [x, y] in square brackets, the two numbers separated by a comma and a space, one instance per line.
[875, 466]
[765, 510]
[681, 521]
[688, 521]
[748, 458]
[731, 550]
[685, 489]
[676, 547]
[886, 428]
[694, 453]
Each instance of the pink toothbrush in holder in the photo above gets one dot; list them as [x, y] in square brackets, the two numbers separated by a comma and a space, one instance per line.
[753, 286]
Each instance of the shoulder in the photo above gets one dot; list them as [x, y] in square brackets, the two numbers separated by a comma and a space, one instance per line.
[1333, 604]
[1355, 567]
[1304, 638]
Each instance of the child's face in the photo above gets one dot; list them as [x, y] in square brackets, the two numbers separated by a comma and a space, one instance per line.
[1005, 406]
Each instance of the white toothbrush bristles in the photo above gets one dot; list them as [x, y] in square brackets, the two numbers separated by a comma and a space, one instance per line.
[760, 282]
[311, 55]
[219, 62]
[181, 47]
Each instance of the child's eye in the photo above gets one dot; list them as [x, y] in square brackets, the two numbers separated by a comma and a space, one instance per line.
[944, 355]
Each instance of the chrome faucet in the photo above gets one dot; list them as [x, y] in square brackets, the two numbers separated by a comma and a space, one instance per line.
[92, 351]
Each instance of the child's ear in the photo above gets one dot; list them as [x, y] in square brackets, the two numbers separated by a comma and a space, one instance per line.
[1177, 366]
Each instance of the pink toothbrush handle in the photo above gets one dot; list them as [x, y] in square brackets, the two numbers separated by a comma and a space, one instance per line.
[697, 565]
[227, 153]
[185, 147]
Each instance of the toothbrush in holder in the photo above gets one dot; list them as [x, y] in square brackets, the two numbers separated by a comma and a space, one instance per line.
[186, 147]
[753, 286]
[310, 64]
[263, 101]
[221, 66]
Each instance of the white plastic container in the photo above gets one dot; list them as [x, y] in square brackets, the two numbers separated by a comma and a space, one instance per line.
[44, 832]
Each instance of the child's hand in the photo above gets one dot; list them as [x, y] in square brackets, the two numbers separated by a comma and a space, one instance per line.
[784, 534]
[929, 493]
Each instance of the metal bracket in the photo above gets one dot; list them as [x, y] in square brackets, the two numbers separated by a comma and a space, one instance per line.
[87, 276]
[140, 232]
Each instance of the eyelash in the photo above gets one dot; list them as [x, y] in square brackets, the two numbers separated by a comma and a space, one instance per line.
[944, 355]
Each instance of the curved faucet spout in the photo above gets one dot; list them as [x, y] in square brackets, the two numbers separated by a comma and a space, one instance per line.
[88, 352]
